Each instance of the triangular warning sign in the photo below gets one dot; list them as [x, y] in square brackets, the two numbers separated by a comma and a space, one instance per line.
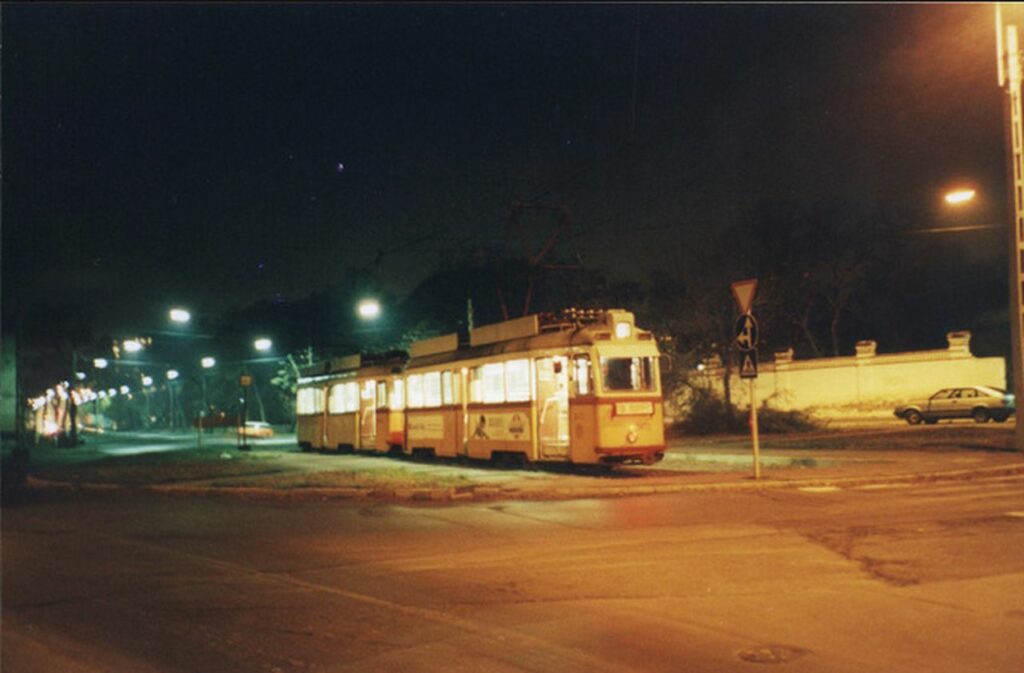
[743, 293]
[748, 365]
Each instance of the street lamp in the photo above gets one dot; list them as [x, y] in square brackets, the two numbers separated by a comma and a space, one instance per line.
[368, 309]
[132, 346]
[179, 315]
[958, 197]
[208, 362]
[100, 363]
[262, 344]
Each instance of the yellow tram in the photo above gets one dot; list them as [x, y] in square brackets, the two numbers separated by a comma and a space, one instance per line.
[582, 387]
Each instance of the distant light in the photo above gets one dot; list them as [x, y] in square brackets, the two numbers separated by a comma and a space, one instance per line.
[103, 394]
[80, 376]
[100, 363]
[125, 390]
[147, 380]
[172, 374]
[368, 309]
[111, 392]
[262, 344]
[340, 167]
[180, 315]
[623, 330]
[207, 362]
[132, 346]
[700, 367]
[959, 196]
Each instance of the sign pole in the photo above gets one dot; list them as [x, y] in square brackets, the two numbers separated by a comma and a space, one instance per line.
[753, 430]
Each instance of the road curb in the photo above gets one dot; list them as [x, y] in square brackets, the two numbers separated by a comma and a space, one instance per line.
[492, 493]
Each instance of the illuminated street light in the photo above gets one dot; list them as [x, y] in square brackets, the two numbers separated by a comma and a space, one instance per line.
[180, 315]
[172, 374]
[132, 346]
[368, 309]
[959, 197]
[207, 362]
[125, 390]
[262, 344]
[100, 363]
[147, 380]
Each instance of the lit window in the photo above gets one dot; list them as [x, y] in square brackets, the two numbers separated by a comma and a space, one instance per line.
[476, 385]
[308, 402]
[414, 391]
[398, 395]
[369, 390]
[432, 389]
[344, 398]
[382, 394]
[517, 380]
[582, 375]
[447, 388]
[493, 380]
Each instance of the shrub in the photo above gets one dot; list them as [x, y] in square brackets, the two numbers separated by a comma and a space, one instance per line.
[708, 414]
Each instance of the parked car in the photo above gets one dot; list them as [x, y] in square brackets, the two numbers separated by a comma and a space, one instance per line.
[977, 402]
[257, 429]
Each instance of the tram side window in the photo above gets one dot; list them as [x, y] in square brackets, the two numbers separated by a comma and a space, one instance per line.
[448, 387]
[398, 395]
[369, 390]
[517, 380]
[476, 385]
[382, 394]
[582, 375]
[432, 389]
[627, 373]
[310, 401]
[344, 398]
[493, 381]
[414, 391]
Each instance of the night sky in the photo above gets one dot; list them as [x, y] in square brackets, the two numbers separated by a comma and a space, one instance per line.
[217, 155]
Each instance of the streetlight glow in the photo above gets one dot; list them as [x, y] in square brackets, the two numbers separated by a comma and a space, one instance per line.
[180, 315]
[100, 363]
[132, 346]
[959, 196]
[207, 362]
[172, 374]
[147, 380]
[262, 344]
[368, 309]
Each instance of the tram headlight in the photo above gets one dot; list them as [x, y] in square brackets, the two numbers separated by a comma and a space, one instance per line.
[632, 435]
[623, 330]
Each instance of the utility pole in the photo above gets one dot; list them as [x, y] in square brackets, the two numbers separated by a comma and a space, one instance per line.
[1009, 74]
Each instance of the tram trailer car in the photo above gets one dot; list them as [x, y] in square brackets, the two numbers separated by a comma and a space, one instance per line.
[343, 404]
[582, 387]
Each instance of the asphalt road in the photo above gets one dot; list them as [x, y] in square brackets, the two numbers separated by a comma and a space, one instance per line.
[918, 577]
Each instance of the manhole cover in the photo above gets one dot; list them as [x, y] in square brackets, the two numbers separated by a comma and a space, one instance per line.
[772, 654]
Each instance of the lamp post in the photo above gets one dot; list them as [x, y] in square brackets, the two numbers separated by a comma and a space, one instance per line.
[1009, 66]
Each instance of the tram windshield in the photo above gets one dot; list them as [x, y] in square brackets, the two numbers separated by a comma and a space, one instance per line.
[631, 374]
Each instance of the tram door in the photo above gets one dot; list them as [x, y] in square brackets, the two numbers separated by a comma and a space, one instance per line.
[553, 406]
[368, 415]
